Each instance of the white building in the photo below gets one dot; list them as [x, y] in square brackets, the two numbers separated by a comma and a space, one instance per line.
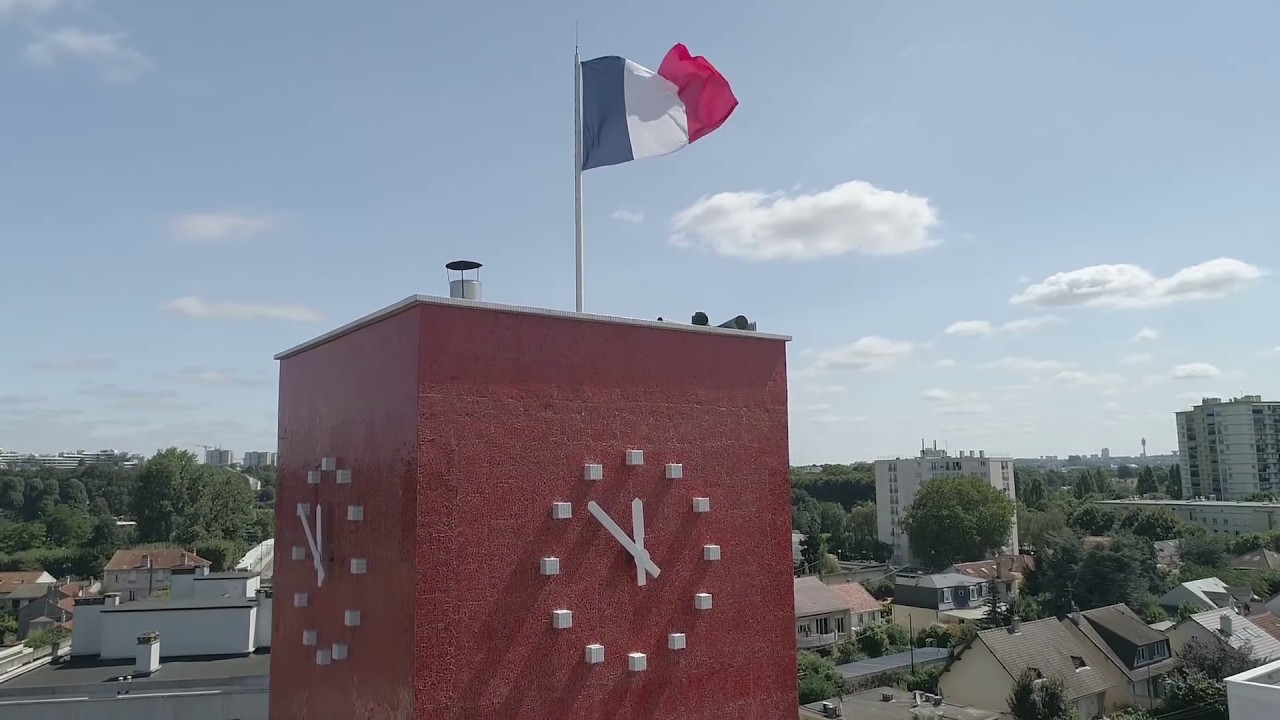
[898, 480]
[257, 459]
[1255, 694]
[217, 456]
[1223, 517]
[69, 460]
[1229, 449]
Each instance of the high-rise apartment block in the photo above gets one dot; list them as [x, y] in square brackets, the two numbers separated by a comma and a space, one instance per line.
[898, 480]
[257, 459]
[1229, 449]
[217, 456]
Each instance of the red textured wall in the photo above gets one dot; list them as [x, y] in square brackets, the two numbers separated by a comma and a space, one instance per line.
[507, 408]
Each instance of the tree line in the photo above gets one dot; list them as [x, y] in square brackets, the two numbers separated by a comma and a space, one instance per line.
[834, 508]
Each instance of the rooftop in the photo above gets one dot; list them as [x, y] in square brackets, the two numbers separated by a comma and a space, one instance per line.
[1260, 559]
[193, 604]
[414, 300]
[158, 558]
[93, 671]
[1046, 646]
[813, 597]
[871, 705]
[1216, 503]
[1268, 674]
[856, 597]
[1243, 632]
[896, 661]
[938, 580]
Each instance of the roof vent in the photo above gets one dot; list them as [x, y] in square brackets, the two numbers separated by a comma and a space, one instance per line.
[1224, 623]
[462, 287]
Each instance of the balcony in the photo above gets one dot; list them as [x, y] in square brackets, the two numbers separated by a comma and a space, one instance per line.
[807, 642]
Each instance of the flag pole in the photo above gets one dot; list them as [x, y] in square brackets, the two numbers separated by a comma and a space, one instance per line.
[577, 177]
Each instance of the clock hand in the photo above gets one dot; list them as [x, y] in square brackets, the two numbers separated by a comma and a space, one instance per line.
[319, 550]
[637, 529]
[640, 554]
[311, 542]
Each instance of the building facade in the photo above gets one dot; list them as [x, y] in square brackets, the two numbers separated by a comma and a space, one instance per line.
[1229, 449]
[1221, 517]
[218, 456]
[898, 480]
[69, 460]
[257, 459]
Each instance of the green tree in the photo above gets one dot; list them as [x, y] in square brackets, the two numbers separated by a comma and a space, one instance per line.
[1173, 483]
[68, 525]
[1053, 580]
[957, 520]
[1147, 483]
[1092, 519]
[872, 640]
[167, 492]
[1203, 549]
[222, 554]
[1031, 488]
[1192, 695]
[16, 537]
[818, 677]
[1037, 698]
[942, 636]
[1153, 523]
[1215, 660]
[996, 615]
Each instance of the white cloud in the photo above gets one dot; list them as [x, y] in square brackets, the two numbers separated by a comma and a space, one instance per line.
[1195, 371]
[195, 375]
[983, 328]
[1079, 377]
[825, 419]
[937, 395]
[1136, 359]
[1146, 333]
[1112, 407]
[851, 217]
[121, 397]
[15, 400]
[10, 8]
[109, 52]
[196, 307]
[945, 363]
[635, 217]
[1129, 286]
[75, 363]
[214, 227]
[1273, 352]
[970, 409]
[1027, 366]
[869, 353]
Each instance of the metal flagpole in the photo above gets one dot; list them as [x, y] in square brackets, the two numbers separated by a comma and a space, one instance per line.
[577, 176]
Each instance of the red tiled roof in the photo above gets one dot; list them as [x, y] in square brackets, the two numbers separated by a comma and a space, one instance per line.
[163, 558]
[1267, 623]
[11, 580]
[998, 567]
[859, 600]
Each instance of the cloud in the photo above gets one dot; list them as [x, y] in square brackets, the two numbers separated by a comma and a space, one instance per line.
[1112, 407]
[1273, 352]
[16, 400]
[75, 363]
[195, 375]
[215, 227]
[970, 409]
[1079, 377]
[1136, 359]
[635, 217]
[825, 419]
[869, 353]
[109, 52]
[1026, 365]
[1146, 333]
[1129, 286]
[1195, 371]
[853, 217]
[120, 397]
[196, 307]
[937, 395]
[11, 8]
[984, 328]
[945, 363]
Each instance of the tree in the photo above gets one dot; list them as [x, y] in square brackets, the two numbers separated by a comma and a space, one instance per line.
[1147, 481]
[1038, 698]
[1152, 523]
[996, 616]
[872, 640]
[957, 520]
[1203, 549]
[1216, 660]
[167, 490]
[818, 677]
[1091, 519]
[68, 525]
[1192, 695]
[1031, 488]
[1173, 483]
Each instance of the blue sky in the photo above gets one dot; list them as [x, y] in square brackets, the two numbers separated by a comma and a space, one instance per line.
[190, 188]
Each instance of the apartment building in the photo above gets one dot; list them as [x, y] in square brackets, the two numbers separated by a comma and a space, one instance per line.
[898, 480]
[1223, 517]
[218, 456]
[1229, 449]
[253, 459]
[68, 460]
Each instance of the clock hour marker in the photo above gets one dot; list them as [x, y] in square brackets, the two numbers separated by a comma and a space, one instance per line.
[299, 599]
[355, 512]
[359, 566]
[351, 618]
[328, 464]
[561, 511]
[593, 471]
[339, 651]
[635, 457]
[344, 477]
[313, 477]
[595, 654]
[701, 505]
[676, 641]
[675, 471]
[550, 566]
[299, 553]
[637, 662]
[702, 601]
[710, 552]
[308, 637]
[561, 619]
[323, 657]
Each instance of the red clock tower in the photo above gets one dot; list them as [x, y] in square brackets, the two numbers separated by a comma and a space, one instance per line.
[488, 511]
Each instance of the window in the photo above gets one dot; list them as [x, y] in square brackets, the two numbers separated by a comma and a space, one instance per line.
[1079, 662]
[946, 595]
[840, 624]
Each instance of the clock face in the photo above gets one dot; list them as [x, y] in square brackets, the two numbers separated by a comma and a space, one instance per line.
[620, 523]
[328, 486]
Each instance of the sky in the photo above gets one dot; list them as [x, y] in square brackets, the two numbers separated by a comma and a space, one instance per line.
[1024, 228]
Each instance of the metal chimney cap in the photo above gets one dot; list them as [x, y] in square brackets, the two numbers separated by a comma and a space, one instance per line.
[463, 265]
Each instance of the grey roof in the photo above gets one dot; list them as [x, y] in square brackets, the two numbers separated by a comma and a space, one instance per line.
[229, 575]
[1046, 646]
[1243, 632]
[946, 580]
[1260, 559]
[29, 591]
[1122, 621]
[1142, 673]
[93, 671]
[813, 597]
[194, 604]
[896, 661]
[870, 705]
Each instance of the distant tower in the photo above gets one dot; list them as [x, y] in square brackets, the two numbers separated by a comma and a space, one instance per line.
[1144, 447]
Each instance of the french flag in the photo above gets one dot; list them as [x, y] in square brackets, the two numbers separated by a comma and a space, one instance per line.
[630, 112]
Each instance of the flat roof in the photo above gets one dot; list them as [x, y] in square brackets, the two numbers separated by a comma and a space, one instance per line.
[193, 604]
[889, 663]
[413, 300]
[89, 671]
[1222, 503]
[229, 575]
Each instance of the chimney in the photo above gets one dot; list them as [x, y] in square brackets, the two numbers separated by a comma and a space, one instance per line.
[1076, 617]
[462, 287]
[148, 657]
[186, 559]
[1015, 626]
[146, 561]
[1224, 624]
[982, 453]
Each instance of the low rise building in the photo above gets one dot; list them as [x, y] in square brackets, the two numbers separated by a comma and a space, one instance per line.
[1221, 517]
[1227, 626]
[1255, 693]
[138, 574]
[1138, 657]
[828, 614]
[922, 599]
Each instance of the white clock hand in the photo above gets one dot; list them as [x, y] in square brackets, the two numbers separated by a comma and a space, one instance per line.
[319, 550]
[637, 529]
[643, 561]
[311, 542]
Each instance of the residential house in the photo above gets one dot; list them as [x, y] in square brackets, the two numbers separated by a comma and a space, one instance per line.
[822, 614]
[1205, 594]
[1006, 571]
[138, 574]
[920, 600]
[1255, 693]
[1266, 622]
[984, 672]
[1226, 625]
[863, 608]
[1260, 559]
[55, 607]
[1138, 656]
[1168, 554]
[21, 587]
